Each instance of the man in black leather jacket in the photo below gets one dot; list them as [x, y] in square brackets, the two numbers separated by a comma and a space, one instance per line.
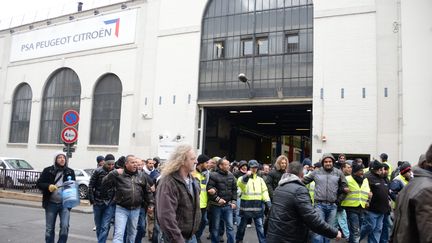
[292, 213]
[102, 199]
[222, 188]
[131, 189]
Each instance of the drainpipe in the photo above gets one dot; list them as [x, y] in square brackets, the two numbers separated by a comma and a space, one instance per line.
[398, 30]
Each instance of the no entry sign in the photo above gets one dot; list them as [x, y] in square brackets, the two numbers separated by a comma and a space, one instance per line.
[69, 135]
[70, 118]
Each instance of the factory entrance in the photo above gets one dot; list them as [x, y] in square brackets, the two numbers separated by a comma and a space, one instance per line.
[258, 132]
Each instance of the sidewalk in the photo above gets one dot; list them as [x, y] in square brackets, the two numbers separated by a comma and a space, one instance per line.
[35, 201]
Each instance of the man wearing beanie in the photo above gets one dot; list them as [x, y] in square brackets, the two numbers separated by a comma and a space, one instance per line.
[413, 206]
[202, 175]
[379, 203]
[356, 201]
[222, 189]
[100, 160]
[330, 188]
[401, 180]
[102, 199]
[51, 179]
[254, 195]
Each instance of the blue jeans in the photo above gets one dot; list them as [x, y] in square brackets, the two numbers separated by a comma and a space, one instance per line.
[386, 228]
[51, 212]
[203, 223]
[355, 220]
[103, 214]
[226, 214]
[141, 226]
[125, 217]
[372, 227]
[342, 223]
[258, 226]
[327, 212]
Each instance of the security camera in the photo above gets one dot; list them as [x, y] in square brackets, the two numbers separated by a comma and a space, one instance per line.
[242, 78]
[161, 137]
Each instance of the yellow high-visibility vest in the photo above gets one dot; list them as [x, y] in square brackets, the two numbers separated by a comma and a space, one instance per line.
[202, 179]
[357, 195]
[255, 189]
[311, 188]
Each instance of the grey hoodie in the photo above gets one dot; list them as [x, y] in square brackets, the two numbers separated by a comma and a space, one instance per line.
[327, 183]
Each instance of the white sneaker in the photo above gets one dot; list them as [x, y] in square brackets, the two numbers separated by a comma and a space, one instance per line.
[248, 225]
[94, 228]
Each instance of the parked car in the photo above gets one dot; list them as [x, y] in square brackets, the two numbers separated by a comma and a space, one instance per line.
[82, 179]
[16, 172]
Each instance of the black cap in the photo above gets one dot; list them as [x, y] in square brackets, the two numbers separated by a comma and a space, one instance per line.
[109, 157]
[376, 165]
[100, 158]
[202, 158]
[356, 167]
[384, 156]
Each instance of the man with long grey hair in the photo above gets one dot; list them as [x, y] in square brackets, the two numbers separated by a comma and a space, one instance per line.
[177, 197]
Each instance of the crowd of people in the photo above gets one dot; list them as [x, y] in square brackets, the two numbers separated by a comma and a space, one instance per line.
[289, 201]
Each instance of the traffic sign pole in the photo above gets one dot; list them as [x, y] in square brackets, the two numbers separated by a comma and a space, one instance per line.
[69, 134]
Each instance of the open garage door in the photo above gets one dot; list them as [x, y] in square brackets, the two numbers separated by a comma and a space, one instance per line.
[258, 132]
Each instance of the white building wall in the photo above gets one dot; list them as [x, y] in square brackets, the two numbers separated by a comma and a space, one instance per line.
[344, 57]
[417, 77]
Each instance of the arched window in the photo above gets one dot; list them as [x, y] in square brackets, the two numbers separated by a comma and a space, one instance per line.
[62, 92]
[268, 40]
[107, 99]
[21, 110]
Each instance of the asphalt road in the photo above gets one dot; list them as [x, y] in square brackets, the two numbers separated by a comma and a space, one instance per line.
[27, 225]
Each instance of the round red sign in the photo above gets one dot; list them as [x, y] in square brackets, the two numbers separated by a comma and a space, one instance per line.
[69, 135]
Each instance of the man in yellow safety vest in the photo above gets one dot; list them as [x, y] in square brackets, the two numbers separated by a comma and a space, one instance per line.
[202, 175]
[356, 201]
[254, 194]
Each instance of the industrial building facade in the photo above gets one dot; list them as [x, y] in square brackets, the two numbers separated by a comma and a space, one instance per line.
[238, 78]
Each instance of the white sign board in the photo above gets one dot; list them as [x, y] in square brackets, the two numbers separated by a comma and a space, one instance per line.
[95, 32]
[165, 149]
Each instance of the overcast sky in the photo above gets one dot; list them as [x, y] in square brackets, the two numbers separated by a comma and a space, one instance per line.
[28, 11]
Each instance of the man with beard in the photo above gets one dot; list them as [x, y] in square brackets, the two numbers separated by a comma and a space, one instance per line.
[275, 175]
[202, 175]
[327, 180]
[413, 210]
[379, 203]
[51, 179]
[222, 188]
[356, 201]
[131, 188]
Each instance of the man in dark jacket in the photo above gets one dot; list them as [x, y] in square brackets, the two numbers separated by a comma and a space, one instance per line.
[131, 188]
[177, 197]
[379, 204]
[222, 188]
[102, 199]
[413, 206]
[275, 175]
[51, 179]
[292, 213]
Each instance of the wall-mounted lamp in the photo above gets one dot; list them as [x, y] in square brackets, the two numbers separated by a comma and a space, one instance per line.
[123, 6]
[242, 78]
